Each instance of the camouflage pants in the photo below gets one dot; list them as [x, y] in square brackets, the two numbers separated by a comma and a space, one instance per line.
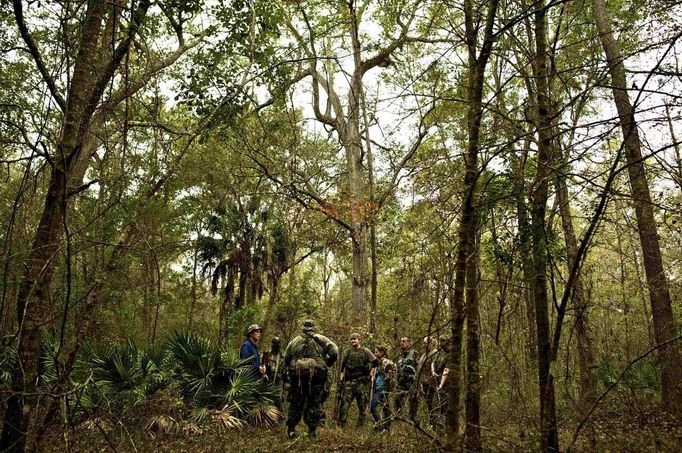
[355, 390]
[305, 401]
[432, 403]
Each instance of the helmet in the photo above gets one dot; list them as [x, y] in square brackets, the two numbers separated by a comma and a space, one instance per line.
[354, 336]
[276, 340]
[309, 325]
[253, 328]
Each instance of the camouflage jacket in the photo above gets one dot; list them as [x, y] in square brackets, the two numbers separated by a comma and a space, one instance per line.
[314, 346]
[387, 370]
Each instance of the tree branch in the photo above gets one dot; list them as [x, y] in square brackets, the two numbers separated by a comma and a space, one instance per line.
[35, 53]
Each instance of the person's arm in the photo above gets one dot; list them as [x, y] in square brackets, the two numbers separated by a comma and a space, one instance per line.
[433, 369]
[287, 355]
[443, 378]
[257, 362]
[331, 351]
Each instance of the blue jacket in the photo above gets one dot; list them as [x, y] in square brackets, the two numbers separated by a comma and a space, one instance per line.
[250, 349]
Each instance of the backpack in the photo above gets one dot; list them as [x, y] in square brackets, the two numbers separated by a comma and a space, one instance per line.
[311, 358]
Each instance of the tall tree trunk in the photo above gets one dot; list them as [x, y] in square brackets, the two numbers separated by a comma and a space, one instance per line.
[372, 222]
[477, 63]
[352, 143]
[548, 422]
[659, 293]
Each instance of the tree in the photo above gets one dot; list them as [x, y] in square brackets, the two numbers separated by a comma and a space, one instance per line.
[84, 96]
[659, 293]
[466, 269]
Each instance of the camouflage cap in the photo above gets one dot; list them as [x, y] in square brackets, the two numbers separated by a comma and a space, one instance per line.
[276, 340]
[443, 339]
[253, 328]
[354, 336]
[309, 325]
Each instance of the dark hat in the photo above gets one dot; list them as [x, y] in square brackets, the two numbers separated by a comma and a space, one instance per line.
[354, 335]
[276, 340]
[309, 325]
[253, 328]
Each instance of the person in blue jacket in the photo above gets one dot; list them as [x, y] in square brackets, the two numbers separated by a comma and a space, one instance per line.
[250, 349]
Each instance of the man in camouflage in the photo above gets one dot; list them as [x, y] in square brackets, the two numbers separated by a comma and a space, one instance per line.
[357, 368]
[307, 359]
[406, 365]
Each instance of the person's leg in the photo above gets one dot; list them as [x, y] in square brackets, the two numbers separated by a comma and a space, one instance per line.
[313, 411]
[346, 402]
[362, 395]
[430, 406]
[296, 403]
[400, 395]
[385, 402]
[413, 400]
[373, 407]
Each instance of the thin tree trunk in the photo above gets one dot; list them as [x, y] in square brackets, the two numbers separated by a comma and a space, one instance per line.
[548, 421]
[226, 304]
[477, 63]
[372, 223]
[659, 293]
[192, 307]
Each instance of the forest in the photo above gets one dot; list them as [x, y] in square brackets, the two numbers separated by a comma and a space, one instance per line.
[503, 174]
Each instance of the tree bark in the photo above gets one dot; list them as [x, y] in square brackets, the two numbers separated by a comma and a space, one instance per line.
[539, 195]
[477, 63]
[657, 282]
[352, 143]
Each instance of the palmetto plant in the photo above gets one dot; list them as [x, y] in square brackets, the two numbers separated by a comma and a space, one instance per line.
[214, 381]
[218, 382]
[119, 380]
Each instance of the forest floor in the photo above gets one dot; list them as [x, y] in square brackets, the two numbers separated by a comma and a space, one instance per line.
[607, 435]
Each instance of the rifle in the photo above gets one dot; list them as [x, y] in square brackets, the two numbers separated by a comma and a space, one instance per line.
[279, 359]
[266, 364]
[340, 388]
[371, 393]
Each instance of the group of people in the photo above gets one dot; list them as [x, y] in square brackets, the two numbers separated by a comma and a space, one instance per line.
[303, 372]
